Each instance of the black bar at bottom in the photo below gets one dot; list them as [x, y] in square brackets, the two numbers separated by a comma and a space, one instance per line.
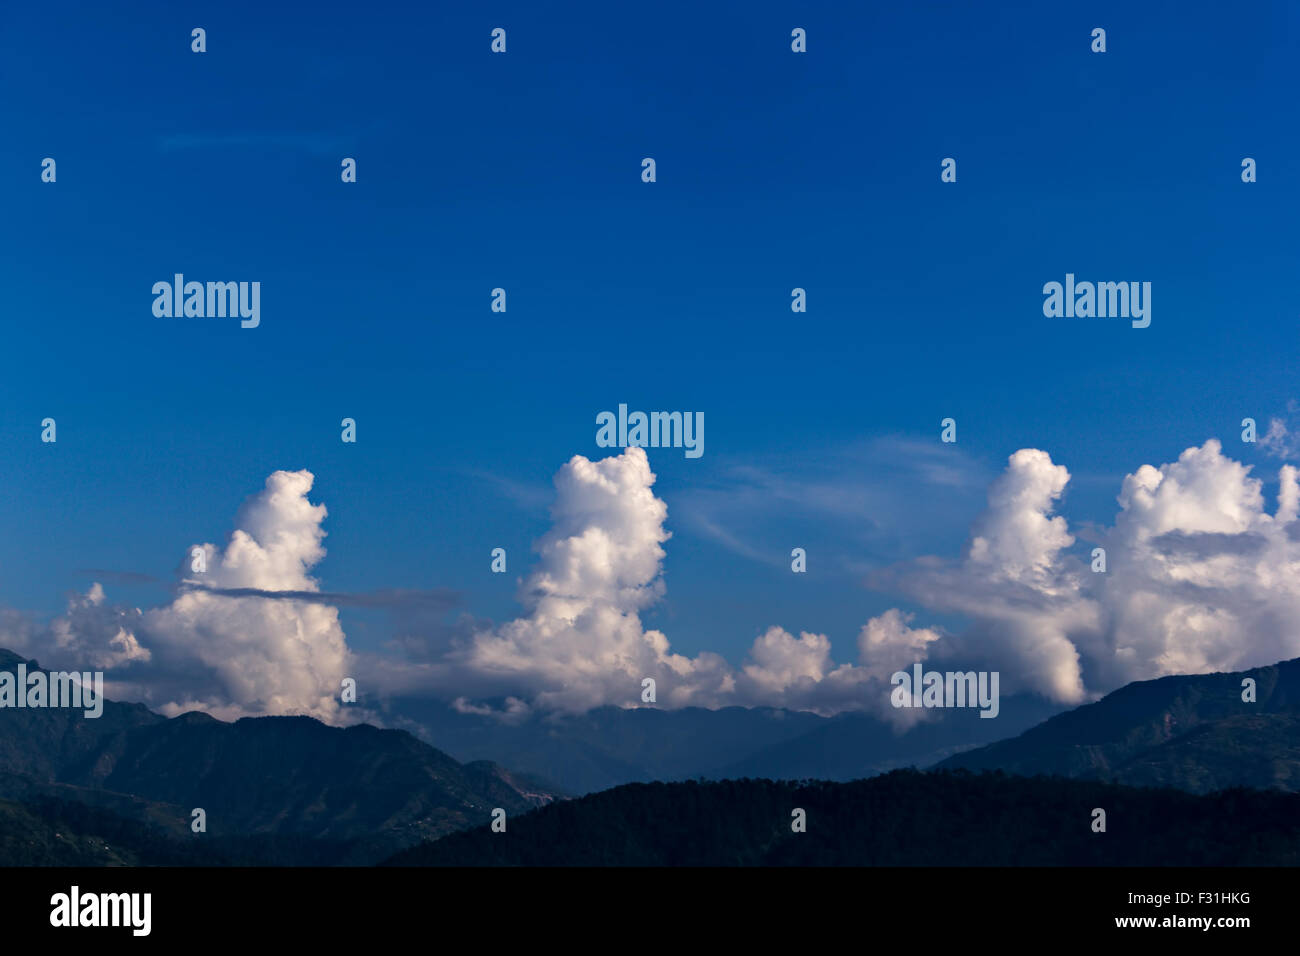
[652, 907]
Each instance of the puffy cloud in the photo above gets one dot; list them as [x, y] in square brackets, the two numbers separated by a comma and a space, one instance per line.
[1023, 596]
[245, 637]
[90, 635]
[582, 643]
[798, 673]
[254, 634]
[780, 661]
[96, 635]
[1200, 577]
[1203, 491]
[1017, 538]
[250, 655]
[886, 644]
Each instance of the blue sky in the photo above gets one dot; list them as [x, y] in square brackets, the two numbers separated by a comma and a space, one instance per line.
[522, 171]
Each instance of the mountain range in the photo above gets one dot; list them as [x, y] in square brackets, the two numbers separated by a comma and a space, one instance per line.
[609, 746]
[122, 788]
[1195, 733]
[281, 776]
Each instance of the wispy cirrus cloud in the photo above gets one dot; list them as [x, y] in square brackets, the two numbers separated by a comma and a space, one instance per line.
[859, 500]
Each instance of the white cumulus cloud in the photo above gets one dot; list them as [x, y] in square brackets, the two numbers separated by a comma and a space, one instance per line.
[250, 655]
[1200, 576]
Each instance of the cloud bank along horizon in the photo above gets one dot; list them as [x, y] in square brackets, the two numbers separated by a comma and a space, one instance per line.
[1199, 577]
